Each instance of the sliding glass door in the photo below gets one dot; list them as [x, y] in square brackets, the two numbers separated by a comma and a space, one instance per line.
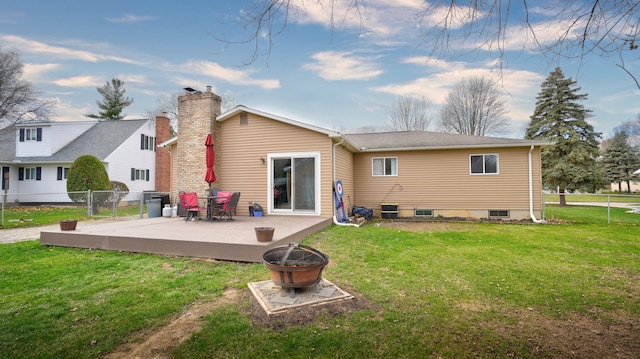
[294, 180]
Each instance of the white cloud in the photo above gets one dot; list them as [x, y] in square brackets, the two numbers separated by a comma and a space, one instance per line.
[37, 47]
[237, 77]
[33, 71]
[129, 18]
[336, 65]
[80, 81]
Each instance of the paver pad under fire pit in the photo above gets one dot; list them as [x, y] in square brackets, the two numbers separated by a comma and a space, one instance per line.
[269, 296]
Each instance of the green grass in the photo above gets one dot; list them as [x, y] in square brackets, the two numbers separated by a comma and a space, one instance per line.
[591, 214]
[451, 293]
[27, 216]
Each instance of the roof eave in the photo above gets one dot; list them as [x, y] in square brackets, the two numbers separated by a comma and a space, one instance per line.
[454, 147]
[240, 108]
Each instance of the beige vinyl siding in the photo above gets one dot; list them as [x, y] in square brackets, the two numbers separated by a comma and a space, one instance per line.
[344, 173]
[242, 146]
[441, 179]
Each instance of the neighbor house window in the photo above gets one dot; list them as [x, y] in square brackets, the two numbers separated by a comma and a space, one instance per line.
[30, 134]
[484, 164]
[147, 142]
[139, 174]
[63, 173]
[29, 173]
[385, 166]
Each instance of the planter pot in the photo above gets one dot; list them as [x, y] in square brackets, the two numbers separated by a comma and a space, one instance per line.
[264, 234]
[68, 224]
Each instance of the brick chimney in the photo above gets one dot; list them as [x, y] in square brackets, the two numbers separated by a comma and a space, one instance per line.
[197, 113]
[163, 157]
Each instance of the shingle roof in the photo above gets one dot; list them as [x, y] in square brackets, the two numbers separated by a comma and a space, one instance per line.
[100, 141]
[8, 143]
[424, 140]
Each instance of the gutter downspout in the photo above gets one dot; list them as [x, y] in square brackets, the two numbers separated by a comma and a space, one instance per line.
[333, 176]
[531, 214]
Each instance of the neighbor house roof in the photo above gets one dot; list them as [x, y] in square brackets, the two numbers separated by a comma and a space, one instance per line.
[100, 141]
[8, 143]
[424, 140]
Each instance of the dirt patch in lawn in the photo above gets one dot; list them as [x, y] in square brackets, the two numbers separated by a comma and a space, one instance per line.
[428, 226]
[578, 336]
[158, 344]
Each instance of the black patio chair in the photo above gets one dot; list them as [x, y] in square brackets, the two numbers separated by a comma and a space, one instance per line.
[229, 207]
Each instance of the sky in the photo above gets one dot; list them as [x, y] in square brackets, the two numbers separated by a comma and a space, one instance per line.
[341, 75]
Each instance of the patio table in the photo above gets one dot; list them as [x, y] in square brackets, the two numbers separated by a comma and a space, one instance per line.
[210, 200]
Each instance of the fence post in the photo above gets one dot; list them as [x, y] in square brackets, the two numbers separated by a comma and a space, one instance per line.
[89, 211]
[608, 209]
[4, 198]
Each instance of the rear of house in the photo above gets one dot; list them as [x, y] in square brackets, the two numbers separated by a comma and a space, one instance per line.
[433, 174]
[290, 167]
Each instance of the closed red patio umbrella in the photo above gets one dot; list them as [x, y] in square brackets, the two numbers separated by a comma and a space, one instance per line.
[210, 175]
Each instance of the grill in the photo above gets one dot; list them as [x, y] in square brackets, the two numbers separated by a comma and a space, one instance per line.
[295, 266]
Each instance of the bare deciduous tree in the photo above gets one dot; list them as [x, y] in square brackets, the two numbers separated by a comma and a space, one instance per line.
[410, 113]
[18, 98]
[168, 104]
[603, 28]
[474, 107]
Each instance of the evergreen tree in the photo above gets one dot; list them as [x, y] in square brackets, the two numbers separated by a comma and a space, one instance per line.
[113, 101]
[620, 161]
[570, 164]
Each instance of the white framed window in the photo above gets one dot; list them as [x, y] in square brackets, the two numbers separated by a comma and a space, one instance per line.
[30, 134]
[30, 173]
[384, 166]
[63, 173]
[147, 142]
[140, 175]
[483, 164]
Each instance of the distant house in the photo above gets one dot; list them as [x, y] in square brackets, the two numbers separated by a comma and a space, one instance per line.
[290, 167]
[35, 157]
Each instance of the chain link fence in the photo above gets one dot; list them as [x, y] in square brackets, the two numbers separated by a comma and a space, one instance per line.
[616, 208]
[33, 209]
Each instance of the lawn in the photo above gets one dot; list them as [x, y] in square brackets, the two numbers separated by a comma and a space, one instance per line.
[423, 290]
[29, 216]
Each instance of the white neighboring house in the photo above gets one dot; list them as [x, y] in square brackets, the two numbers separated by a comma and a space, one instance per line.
[35, 157]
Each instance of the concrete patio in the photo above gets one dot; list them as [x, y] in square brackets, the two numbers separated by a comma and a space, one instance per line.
[224, 240]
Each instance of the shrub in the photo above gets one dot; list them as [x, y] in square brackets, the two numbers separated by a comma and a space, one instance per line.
[88, 173]
[120, 191]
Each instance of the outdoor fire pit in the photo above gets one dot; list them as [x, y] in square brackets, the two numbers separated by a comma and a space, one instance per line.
[295, 266]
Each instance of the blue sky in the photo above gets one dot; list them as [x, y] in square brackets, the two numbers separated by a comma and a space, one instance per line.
[341, 79]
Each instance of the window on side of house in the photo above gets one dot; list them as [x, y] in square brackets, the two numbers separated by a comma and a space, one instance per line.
[31, 134]
[483, 164]
[423, 212]
[29, 173]
[139, 174]
[147, 142]
[384, 166]
[498, 213]
[63, 173]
